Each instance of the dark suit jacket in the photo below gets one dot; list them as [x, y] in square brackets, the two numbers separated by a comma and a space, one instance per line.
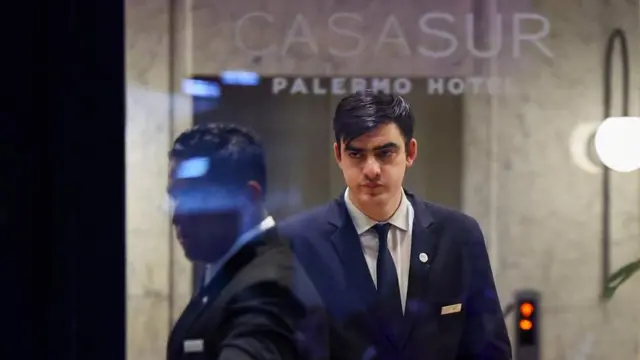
[457, 272]
[260, 305]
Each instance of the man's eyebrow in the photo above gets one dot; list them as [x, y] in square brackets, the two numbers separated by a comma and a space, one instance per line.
[353, 148]
[387, 146]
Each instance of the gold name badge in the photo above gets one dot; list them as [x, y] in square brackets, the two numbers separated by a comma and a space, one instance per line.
[451, 309]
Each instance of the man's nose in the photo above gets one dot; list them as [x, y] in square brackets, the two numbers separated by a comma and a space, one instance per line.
[371, 169]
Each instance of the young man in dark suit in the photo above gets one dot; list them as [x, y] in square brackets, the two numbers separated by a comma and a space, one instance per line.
[255, 300]
[402, 278]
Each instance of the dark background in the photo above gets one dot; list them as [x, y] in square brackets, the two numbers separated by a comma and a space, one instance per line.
[63, 264]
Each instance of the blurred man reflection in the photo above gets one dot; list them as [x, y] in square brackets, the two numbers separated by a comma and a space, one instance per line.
[246, 308]
[402, 278]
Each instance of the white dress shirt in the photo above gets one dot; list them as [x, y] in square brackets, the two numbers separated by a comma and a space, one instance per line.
[212, 269]
[398, 240]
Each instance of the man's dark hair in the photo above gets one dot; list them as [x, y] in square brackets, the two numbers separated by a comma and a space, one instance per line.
[235, 154]
[360, 113]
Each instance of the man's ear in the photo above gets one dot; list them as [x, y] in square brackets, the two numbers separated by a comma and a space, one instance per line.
[412, 151]
[337, 153]
[255, 191]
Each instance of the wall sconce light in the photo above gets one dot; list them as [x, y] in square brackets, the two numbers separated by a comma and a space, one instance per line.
[617, 143]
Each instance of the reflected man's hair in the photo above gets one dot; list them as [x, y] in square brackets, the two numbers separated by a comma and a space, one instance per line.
[235, 154]
[360, 113]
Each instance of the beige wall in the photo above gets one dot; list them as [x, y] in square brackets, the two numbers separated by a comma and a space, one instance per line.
[539, 211]
[158, 277]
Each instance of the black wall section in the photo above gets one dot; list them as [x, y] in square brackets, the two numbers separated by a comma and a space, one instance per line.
[76, 115]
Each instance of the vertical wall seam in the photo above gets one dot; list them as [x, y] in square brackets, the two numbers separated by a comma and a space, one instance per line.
[172, 6]
[494, 251]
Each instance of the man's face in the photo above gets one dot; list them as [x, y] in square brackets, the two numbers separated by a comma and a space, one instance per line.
[374, 164]
[206, 217]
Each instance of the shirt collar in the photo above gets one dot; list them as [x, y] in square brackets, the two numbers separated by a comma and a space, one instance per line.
[362, 222]
[265, 225]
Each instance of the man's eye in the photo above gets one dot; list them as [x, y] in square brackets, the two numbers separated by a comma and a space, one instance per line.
[385, 153]
[354, 155]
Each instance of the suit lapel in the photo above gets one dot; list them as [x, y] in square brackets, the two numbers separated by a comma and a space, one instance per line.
[424, 239]
[179, 329]
[212, 290]
[346, 243]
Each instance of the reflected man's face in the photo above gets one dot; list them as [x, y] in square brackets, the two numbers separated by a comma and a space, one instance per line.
[206, 216]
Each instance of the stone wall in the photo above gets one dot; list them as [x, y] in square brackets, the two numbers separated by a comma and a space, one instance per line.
[540, 212]
[546, 210]
[158, 276]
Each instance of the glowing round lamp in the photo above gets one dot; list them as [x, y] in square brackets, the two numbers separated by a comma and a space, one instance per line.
[617, 143]
[526, 325]
[526, 309]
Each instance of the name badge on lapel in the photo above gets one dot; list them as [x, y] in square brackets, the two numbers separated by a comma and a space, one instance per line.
[451, 309]
[193, 346]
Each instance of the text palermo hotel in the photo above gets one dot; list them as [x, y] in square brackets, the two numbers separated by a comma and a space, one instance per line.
[437, 25]
[400, 86]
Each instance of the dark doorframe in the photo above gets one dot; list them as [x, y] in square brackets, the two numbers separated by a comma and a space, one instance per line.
[75, 217]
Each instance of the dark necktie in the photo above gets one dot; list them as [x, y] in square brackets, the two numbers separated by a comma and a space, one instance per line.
[389, 303]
